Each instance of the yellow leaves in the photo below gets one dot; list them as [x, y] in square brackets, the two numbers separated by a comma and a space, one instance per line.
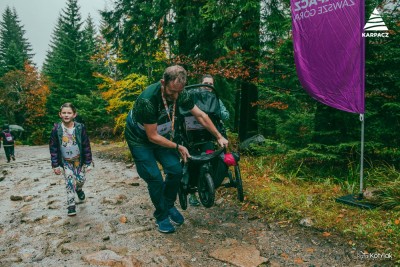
[123, 219]
[336, 189]
[285, 255]
[120, 94]
[160, 56]
[235, 34]
[397, 222]
[298, 261]
[310, 250]
[339, 217]
[271, 105]
[326, 234]
[351, 243]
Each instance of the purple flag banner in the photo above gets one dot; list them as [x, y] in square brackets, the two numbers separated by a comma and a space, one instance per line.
[329, 51]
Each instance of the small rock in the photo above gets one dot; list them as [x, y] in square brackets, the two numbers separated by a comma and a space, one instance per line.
[369, 193]
[109, 201]
[53, 184]
[230, 242]
[106, 238]
[307, 222]
[2, 178]
[16, 198]
[11, 259]
[28, 198]
[36, 180]
[110, 258]
[139, 229]
[128, 166]
[229, 225]
[219, 201]
[239, 255]
[26, 220]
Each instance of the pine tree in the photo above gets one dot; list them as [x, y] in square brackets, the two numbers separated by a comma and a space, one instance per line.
[15, 49]
[14, 53]
[89, 50]
[68, 64]
[137, 29]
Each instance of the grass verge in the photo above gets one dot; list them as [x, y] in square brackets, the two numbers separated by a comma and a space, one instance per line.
[282, 197]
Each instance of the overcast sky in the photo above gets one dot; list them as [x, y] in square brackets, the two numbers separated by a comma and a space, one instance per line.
[39, 17]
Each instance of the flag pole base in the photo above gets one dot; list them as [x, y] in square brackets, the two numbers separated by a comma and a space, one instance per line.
[356, 200]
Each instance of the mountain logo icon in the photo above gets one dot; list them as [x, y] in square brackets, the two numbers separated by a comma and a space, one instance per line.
[375, 22]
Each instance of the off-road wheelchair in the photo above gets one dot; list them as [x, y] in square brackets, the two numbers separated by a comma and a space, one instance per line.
[209, 166]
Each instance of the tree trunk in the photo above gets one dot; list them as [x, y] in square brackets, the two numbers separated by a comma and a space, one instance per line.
[250, 42]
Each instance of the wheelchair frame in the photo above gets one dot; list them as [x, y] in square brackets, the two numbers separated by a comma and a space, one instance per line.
[200, 172]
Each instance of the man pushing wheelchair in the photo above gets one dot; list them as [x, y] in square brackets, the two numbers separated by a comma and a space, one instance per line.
[150, 130]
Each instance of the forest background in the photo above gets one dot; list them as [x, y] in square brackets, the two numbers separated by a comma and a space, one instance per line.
[247, 46]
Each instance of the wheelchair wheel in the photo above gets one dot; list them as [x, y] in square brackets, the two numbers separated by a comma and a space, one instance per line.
[183, 197]
[239, 183]
[206, 190]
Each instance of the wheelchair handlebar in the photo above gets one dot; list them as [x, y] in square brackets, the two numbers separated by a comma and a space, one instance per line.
[194, 86]
[207, 157]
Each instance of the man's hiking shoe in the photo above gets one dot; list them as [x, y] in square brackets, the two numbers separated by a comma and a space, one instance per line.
[175, 216]
[81, 195]
[165, 226]
[13, 157]
[71, 211]
[193, 201]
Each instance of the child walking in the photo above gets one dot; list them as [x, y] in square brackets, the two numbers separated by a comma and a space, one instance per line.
[8, 142]
[70, 153]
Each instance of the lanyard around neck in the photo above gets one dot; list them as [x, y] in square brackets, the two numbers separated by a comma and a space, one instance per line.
[167, 110]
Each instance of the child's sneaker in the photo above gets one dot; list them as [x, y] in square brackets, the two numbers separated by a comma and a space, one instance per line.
[71, 211]
[81, 194]
[165, 226]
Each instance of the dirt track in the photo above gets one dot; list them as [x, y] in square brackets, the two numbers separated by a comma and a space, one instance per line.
[115, 227]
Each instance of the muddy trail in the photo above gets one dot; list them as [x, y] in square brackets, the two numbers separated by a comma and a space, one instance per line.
[115, 226]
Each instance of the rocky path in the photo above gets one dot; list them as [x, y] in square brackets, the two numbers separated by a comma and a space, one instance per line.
[115, 227]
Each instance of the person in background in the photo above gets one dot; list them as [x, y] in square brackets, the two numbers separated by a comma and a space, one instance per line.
[149, 132]
[8, 142]
[209, 80]
[70, 154]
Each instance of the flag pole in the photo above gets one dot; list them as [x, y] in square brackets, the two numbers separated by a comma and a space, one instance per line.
[362, 119]
[358, 199]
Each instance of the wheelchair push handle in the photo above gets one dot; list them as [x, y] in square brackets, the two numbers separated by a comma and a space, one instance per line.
[202, 85]
[207, 157]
